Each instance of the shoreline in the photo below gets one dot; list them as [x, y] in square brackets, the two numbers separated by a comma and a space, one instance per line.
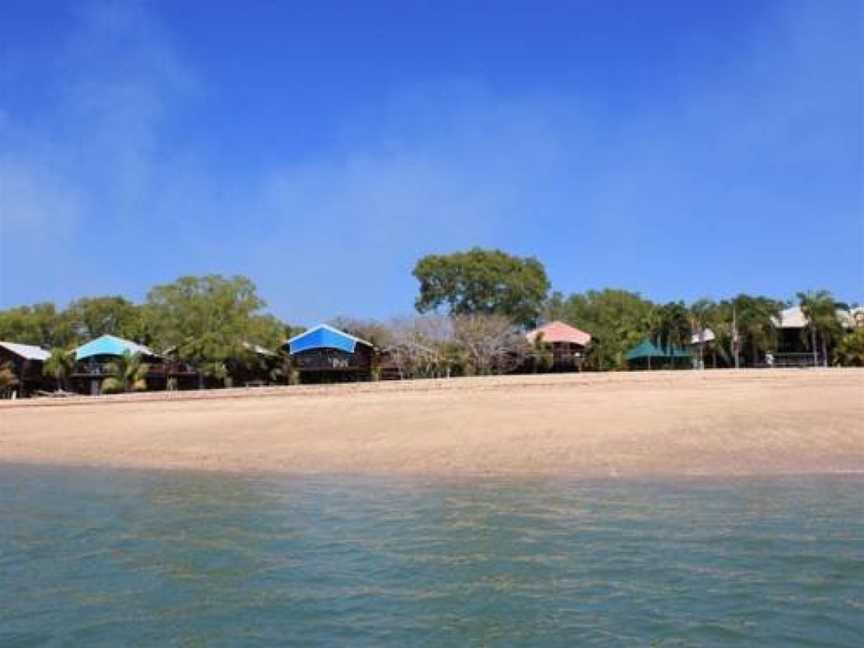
[620, 425]
[479, 383]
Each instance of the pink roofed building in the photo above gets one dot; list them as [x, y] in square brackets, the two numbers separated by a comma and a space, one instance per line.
[567, 343]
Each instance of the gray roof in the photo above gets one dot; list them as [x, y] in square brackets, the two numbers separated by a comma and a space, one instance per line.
[26, 351]
[793, 318]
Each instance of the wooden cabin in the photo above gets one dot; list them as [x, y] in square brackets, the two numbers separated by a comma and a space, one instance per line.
[26, 362]
[93, 360]
[258, 369]
[567, 344]
[325, 354]
[793, 341]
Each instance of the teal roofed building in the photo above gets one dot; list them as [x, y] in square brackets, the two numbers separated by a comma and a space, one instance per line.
[110, 345]
[326, 354]
[93, 362]
[648, 355]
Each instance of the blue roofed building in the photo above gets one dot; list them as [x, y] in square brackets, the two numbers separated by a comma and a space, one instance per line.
[326, 354]
[93, 363]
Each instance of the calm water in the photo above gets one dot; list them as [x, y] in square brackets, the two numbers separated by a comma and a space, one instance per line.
[116, 558]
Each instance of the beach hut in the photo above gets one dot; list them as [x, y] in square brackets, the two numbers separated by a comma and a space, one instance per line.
[326, 354]
[92, 362]
[260, 370]
[26, 362]
[647, 355]
[792, 350]
[566, 343]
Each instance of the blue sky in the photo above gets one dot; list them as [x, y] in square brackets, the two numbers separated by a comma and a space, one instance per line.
[680, 149]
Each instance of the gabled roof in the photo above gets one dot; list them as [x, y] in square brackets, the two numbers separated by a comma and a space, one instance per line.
[706, 336]
[324, 336]
[647, 349]
[257, 348]
[793, 318]
[560, 332]
[112, 346]
[26, 351]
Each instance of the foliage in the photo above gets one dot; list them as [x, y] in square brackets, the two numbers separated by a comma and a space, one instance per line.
[128, 373]
[418, 346]
[376, 333]
[542, 355]
[482, 282]
[206, 321]
[490, 343]
[92, 317]
[59, 366]
[850, 349]
[671, 328]
[753, 319]
[8, 379]
[616, 319]
[39, 324]
[820, 311]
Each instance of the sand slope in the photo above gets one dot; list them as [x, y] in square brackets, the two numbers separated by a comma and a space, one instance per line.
[583, 425]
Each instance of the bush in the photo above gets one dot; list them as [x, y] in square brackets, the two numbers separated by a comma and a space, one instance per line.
[850, 350]
[112, 386]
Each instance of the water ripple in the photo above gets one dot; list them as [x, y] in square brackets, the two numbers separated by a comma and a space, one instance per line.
[108, 558]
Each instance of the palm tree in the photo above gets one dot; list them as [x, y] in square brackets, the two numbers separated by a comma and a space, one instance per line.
[59, 366]
[128, 373]
[820, 311]
[755, 323]
[671, 327]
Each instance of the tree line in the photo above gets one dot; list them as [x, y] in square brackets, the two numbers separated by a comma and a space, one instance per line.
[473, 308]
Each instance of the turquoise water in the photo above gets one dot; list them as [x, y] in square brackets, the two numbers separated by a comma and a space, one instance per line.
[104, 558]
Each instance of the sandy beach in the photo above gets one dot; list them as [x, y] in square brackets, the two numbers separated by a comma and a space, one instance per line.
[580, 425]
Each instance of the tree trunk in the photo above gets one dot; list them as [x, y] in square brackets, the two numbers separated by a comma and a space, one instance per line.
[814, 347]
[824, 351]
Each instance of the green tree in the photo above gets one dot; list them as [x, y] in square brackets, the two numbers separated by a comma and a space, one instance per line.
[752, 325]
[128, 373]
[91, 317]
[208, 322]
[39, 324]
[59, 366]
[850, 349]
[671, 328]
[823, 325]
[482, 282]
[616, 319]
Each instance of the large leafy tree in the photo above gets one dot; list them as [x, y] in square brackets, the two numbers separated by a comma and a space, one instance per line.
[483, 282]
[40, 324]
[823, 324]
[91, 317]
[616, 319]
[209, 320]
